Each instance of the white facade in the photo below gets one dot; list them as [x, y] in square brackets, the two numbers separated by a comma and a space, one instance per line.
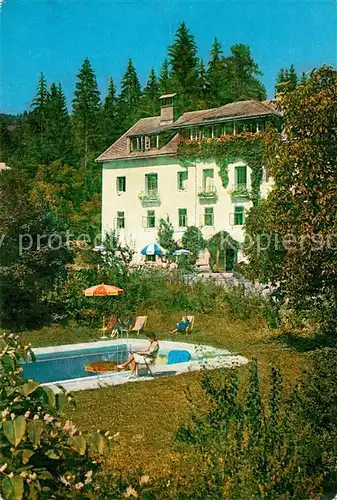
[121, 197]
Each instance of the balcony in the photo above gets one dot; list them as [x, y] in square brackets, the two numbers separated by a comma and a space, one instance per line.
[149, 198]
[240, 193]
[207, 193]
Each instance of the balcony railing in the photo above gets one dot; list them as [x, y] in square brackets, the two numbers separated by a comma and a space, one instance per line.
[240, 191]
[149, 197]
[207, 192]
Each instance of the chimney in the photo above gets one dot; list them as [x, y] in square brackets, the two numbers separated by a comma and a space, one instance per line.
[167, 109]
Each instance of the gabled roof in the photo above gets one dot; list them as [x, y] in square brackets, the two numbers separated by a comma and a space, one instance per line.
[148, 126]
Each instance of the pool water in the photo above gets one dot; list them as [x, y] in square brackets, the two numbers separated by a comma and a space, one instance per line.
[58, 366]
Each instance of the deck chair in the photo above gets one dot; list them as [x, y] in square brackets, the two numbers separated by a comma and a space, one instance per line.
[190, 326]
[139, 324]
[147, 365]
[110, 324]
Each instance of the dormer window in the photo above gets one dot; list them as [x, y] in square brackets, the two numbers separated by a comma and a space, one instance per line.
[143, 143]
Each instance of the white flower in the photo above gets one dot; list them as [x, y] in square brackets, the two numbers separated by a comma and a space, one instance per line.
[27, 414]
[79, 486]
[130, 492]
[3, 468]
[4, 413]
[48, 418]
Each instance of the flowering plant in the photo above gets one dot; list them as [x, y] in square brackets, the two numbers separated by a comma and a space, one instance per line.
[41, 456]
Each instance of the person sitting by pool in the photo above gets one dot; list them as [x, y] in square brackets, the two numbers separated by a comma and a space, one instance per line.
[145, 357]
[181, 326]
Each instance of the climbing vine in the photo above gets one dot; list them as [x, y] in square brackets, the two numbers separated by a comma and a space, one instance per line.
[246, 147]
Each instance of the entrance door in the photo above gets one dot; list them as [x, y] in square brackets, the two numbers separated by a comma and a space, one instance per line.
[230, 259]
[221, 260]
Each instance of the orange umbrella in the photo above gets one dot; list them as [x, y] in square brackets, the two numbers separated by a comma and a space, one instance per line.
[102, 290]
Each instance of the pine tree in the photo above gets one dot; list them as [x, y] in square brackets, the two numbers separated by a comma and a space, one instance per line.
[150, 105]
[38, 118]
[85, 117]
[204, 86]
[216, 76]
[286, 80]
[109, 121]
[292, 78]
[129, 97]
[58, 134]
[183, 60]
[242, 74]
[165, 80]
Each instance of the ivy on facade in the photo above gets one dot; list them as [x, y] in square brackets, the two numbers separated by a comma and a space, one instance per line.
[246, 147]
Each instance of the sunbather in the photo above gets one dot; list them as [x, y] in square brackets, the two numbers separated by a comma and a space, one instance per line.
[142, 357]
[181, 326]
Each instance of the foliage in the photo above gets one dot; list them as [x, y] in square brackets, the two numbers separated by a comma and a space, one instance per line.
[129, 98]
[183, 61]
[298, 220]
[193, 241]
[109, 122]
[221, 241]
[33, 254]
[149, 104]
[286, 80]
[251, 448]
[165, 236]
[246, 147]
[85, 116]
[41, 456]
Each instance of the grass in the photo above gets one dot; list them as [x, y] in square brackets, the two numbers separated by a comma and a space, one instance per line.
[146, 415]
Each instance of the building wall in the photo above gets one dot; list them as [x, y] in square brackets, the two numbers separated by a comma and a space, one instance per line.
[171, 199]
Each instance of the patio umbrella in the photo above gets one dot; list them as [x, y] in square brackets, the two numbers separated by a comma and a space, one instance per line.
[182, 251]
[153, 249]
[102, 290]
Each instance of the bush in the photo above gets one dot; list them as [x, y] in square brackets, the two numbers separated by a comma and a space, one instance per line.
[41, 456]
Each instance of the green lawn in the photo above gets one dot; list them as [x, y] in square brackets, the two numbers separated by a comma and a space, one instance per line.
[147, 414]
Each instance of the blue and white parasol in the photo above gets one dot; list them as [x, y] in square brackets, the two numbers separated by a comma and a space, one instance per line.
[153, 249]
[182, 251]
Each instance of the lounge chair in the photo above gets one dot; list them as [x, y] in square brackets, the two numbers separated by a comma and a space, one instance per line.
[148, 364]
[110, 324]
[139, 324]
[190, 326]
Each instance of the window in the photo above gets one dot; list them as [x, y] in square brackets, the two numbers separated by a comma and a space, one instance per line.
[151, 183]
[238, 216]
[121, 184]
[209, 216]
[208, 179]
[182, 180]
[229, 128]
[217, 131]
[151, 219]
[195, 134]
[154, 142]
[134, 144]
[207, 132]
[182, 216]
[241, 177]
[120, 220]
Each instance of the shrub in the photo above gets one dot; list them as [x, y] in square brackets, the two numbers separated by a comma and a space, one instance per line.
[41, 456]
[251, 448]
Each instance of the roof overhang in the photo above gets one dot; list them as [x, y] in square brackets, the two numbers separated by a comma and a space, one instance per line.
[138, 157]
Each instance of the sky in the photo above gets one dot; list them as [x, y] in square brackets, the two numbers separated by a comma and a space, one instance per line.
[55, 36]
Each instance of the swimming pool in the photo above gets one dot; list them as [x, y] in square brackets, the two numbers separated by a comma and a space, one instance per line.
[65, 364]
[69, 365]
